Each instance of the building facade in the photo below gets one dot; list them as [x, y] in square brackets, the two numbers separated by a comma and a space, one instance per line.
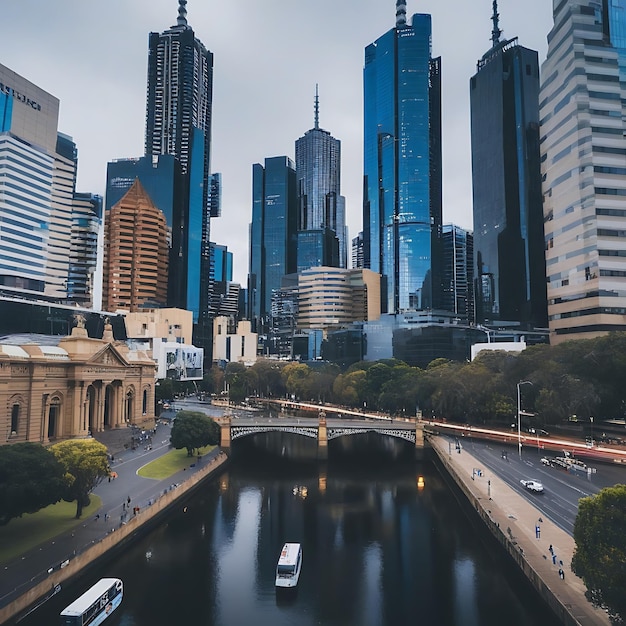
[41, 220]
[335, 297]
[583, 136]
[506, 183]
[273, 235]
[321, 207]
[402, 164]
[458, 271]
[178, 123]
[73, 387]
[135, 253]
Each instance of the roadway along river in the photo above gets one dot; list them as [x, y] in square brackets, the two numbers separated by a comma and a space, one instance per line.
[378, 549]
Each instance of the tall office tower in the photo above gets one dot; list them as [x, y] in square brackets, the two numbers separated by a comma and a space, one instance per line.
[135, 253]
[28, 135]
[357, 251]
[583, 132]
[38, 199]
[161, 177]
[224, 292]
[178, 122]
[273, 233]
[84, 261]
[506, 182]
[321, 207]
[402, 164]
[458, 271]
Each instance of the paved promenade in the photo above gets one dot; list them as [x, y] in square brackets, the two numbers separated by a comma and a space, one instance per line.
[518, 519]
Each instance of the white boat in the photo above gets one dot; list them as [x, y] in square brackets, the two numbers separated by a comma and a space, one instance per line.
[95, 605]
[289, 566]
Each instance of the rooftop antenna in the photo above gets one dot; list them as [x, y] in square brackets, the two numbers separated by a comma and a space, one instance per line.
[495, 18]
[182, 13]
[400, 13]
[317, 108]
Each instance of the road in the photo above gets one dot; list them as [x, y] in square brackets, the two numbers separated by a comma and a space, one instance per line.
[562, 488]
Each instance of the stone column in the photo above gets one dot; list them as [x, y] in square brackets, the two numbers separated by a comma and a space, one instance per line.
[419, 440]
[224, 423]
[322, 436]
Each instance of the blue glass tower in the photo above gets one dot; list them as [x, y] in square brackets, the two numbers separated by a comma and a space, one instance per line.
[321, 207]
[273, 235]
[509, 244]
[402, 203]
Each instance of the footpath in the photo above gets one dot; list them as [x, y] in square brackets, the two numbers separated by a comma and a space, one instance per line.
[32, 577]
[540, 548]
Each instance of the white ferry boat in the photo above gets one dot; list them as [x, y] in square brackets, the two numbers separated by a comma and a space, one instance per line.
[289, 566]
[95, 605]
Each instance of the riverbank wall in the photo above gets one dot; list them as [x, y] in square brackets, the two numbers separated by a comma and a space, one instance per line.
[140, 523]
[513, 522]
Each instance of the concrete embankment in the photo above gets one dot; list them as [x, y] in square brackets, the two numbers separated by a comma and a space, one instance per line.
[513, 521]
[137, 524]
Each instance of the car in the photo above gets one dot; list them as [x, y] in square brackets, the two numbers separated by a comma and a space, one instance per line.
[532, 485]
[546, 461]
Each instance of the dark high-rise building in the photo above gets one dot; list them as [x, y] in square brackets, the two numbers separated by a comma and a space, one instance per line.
[178, 123]
[273, 235]
[402, 199]
[357, 251]
[508, 215]
[458, 272]
[321, 207]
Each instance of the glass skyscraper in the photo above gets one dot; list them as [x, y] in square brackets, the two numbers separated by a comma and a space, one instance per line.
[402, 165]
[583, 135]
[321, 207]
[273, 235]
[506, 182]
[178, 123]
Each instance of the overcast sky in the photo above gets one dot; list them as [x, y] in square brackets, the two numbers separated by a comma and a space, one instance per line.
[268, 57]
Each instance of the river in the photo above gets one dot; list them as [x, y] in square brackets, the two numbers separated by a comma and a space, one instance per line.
[379, 549]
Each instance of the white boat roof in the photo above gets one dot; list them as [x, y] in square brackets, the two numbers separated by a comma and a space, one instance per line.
[289, 554]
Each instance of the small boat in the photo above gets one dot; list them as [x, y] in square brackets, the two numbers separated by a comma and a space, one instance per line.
[289, 566]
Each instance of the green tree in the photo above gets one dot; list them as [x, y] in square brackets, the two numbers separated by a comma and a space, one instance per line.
[600, 553]
[86, 463]
[193, 430]
[31, 478]
[235, 376]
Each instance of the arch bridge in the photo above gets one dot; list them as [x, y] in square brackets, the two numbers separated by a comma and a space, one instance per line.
[322, 429]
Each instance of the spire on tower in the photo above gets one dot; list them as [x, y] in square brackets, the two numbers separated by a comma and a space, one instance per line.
[182, 13]
[495, 18]
[317, 108]
[400, 13]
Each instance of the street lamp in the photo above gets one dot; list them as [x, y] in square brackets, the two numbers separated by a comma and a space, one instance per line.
[519, 414]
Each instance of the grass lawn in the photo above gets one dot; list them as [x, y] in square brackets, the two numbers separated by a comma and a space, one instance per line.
[27, 532]
[171, 463]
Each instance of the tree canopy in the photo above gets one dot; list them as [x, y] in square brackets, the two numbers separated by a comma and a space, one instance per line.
[193, 430]
[600, 554]
[86, 463]
[31, 478]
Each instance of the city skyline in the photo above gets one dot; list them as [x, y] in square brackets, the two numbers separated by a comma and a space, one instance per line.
[262, 102]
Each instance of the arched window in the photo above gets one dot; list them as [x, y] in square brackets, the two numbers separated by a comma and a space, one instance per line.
[15, 420]
[144, 404]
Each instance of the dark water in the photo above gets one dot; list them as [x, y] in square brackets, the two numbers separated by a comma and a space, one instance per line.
[377, 548]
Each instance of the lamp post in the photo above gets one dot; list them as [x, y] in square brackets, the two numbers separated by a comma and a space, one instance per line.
[519, 414]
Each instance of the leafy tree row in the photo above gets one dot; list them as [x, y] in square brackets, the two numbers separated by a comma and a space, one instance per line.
[573, 380]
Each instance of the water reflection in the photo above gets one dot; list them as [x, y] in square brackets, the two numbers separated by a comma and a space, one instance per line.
[378, 548]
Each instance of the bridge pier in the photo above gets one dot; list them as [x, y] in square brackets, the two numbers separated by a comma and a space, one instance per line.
[419, 440]
[322, 436]
[224, 423]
